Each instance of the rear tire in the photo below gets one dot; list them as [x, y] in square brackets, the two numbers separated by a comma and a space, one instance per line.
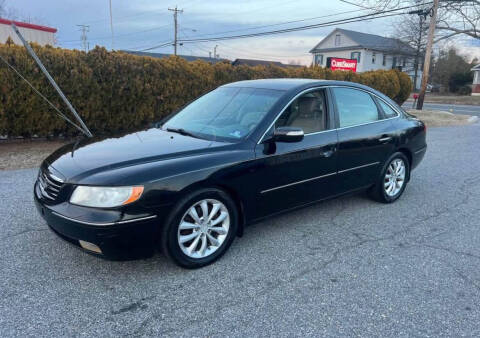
[393, 179]
[200, 229]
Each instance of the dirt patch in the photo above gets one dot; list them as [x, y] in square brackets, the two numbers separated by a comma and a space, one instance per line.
[451, 99]
[437, 118]
[25, 154]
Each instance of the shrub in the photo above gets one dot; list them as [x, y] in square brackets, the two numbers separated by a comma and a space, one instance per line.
[115, 91]
[405, 89]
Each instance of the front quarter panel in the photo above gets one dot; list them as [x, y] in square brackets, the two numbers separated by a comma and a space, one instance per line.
[169, 180]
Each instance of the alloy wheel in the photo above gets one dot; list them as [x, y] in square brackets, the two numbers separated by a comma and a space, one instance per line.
[203, 228]
[394, 177]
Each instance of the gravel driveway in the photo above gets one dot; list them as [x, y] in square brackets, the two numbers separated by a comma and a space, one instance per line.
[346, 267]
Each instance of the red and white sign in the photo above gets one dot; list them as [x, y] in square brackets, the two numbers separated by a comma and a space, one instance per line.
[343, 64]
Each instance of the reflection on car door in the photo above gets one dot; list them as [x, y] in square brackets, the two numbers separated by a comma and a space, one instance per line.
[365, 138]
[291, 174]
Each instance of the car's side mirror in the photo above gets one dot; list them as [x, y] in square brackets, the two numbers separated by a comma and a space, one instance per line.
[288, 134]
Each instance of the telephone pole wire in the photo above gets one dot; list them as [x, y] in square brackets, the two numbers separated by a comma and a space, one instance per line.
[84, 29]
[175, 21]
[428, 54]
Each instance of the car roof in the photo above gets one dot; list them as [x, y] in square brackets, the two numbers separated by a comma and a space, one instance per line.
[290, 83]
[295, 85]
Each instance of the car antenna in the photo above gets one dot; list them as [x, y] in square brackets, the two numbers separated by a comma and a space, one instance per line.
[84, 128]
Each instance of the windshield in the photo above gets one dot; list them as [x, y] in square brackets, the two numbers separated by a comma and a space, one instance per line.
[227, 113]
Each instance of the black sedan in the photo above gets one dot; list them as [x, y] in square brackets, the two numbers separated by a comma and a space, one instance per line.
[238, 154]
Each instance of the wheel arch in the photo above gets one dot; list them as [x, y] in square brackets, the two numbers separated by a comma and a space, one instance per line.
[231, 192]
[409, 155]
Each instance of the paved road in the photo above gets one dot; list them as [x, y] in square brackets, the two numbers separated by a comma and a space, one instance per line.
[346, 267]
[455, 108]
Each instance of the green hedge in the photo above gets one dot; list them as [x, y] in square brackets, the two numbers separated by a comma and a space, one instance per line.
[115, 91]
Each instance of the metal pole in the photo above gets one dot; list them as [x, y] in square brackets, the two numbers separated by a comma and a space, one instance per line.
[175, 43]
[111, 23]
[175, 22]
[428, 54]
[52, 81]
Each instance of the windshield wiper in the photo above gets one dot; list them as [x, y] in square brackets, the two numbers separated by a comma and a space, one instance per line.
[181, 131]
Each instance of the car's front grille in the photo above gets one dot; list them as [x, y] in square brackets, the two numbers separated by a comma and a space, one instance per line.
[49, 185]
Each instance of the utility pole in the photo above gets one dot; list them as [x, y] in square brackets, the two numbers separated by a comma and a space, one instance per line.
[428, 54]
[84, 29]
[175, 21]
[417, 54]
[111, 22]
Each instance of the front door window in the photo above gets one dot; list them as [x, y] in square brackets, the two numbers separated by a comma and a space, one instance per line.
[307, 112]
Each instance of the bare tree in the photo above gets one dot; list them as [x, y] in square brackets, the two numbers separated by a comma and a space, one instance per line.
[413, 30]
[458, 18]
[7, 12]
[455, 17]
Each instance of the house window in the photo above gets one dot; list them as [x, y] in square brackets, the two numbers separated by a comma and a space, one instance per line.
[337, 40]
[394, 62]
[356, 56]
[374, 57]
[384, 60]
[318, 59]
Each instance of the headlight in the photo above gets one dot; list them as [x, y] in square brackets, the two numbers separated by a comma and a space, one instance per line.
[105, 197]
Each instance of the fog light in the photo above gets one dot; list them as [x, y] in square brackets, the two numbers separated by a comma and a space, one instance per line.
[90, 246]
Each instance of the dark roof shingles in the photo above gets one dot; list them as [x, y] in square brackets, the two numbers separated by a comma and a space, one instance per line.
[376, 42]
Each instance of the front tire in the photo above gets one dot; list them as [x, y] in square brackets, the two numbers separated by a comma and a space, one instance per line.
[393, 179]
[200, 229]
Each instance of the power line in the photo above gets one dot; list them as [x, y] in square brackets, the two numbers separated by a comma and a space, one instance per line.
[59, 113]
[106, 37]
[365, 17]
[354, 4]
[282, 23]
[245, 52]
[169, 43]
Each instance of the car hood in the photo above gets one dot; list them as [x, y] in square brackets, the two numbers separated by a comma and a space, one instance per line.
[90, 156]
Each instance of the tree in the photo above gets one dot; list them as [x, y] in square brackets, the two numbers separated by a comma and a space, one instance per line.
[413, 30]
[459, 18]
[452, 71]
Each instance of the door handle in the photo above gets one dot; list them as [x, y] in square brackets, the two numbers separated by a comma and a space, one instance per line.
[385, 139]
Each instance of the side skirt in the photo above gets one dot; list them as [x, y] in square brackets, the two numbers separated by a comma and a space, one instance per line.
[301, 206]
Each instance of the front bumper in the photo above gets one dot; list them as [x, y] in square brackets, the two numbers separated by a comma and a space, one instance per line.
[118, 239]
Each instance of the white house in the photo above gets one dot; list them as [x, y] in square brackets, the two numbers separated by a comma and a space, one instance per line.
[371, 51]
[42, 35]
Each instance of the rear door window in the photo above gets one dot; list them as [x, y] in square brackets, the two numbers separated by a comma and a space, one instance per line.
[355, 107]
[387, 110]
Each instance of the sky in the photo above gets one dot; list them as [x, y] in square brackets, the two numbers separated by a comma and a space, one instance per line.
[143, 24]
